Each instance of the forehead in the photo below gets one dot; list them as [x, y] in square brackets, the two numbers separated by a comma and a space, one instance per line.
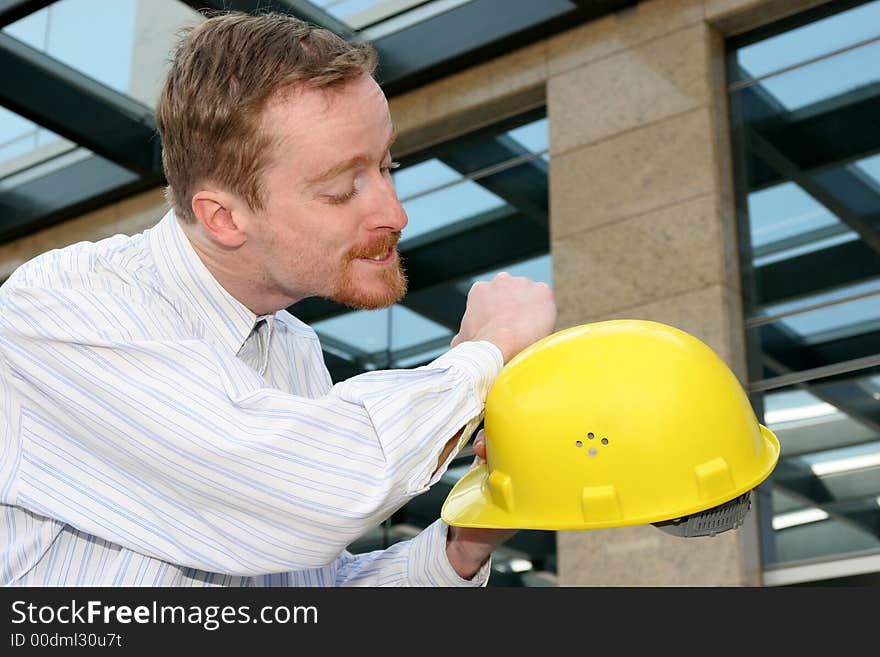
[318, 127]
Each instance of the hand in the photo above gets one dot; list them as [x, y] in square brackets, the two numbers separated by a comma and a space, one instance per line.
[469, 547]
[511, 312]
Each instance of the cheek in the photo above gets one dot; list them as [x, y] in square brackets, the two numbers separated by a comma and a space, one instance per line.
[309, 255]
[328, 240]
[312, 236]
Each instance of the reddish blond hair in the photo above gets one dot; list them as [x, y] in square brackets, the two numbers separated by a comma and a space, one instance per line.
[224, 72]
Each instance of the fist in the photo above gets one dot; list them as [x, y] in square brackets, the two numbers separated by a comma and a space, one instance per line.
[511, 312]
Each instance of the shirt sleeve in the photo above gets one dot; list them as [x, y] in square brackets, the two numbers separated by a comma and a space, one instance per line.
[418, 562]
[153, 444]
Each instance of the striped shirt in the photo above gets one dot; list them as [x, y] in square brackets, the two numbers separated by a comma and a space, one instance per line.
[150, 436]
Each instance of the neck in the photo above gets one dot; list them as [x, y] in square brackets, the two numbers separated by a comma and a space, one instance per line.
[242, 279]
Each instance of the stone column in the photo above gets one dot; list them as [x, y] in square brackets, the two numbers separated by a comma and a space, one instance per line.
[642, 227]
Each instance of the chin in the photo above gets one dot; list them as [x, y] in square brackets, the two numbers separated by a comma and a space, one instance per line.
[390, 289]
[368, 300]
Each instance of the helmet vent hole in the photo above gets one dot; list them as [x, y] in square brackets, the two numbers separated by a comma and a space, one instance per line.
[578, 443]
[604, 441]
[591, 435]
[592, 451]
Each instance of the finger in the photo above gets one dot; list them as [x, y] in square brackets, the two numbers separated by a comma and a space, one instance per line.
[480, 445]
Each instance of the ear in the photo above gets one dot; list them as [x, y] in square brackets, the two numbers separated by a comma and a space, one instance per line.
[218, 213]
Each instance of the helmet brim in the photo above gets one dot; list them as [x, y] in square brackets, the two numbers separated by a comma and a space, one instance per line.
[470, 504]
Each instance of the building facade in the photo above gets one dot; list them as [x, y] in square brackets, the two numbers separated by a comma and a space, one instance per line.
[709, 164]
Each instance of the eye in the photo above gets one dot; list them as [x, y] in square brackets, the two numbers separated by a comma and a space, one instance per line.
[339, 199]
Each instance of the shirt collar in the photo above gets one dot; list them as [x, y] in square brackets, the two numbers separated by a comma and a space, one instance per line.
[188, 280]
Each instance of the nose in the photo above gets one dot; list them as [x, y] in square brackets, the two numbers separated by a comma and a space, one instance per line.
[388, 212]
[399, 220]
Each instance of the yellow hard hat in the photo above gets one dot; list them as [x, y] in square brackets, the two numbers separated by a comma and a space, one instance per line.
[615, 423]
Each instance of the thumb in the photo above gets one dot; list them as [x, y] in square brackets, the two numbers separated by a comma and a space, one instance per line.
[479, 447]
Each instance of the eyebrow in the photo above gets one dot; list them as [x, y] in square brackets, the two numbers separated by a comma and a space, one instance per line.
[342, 167]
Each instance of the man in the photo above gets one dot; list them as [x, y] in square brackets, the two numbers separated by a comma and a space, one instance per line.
[166, 422]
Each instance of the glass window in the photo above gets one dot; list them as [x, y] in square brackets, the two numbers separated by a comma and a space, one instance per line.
[832, 316]
[785, 221]
[409, 329]
[538, 269]
[461, 203]
[870, 166]
[428, 212]
[123, 44]
[825, 488]
[24, 143]
[390, 337]
[842, 73]
[364, 331]
[360, 14]
[472, 179]
[810, 41]
[808, 186]
[423, 177]
[806, 424]
[93, 36]
[534, 137]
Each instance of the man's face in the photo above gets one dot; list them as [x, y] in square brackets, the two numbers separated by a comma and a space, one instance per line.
[332, 220]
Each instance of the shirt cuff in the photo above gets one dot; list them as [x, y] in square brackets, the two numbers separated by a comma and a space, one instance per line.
[428, 564]
[482, 360]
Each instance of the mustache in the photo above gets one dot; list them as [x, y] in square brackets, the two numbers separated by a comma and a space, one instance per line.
[378, 246]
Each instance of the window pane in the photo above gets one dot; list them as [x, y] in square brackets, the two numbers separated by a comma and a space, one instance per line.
[422, 177]
[363, 330]
[409, 329]
[92, 36]
[465, 200]
[843, 73]
[519, 190]
[870, 166]
[534, 137]
[123, 44]
[807, 148]
[538, 269]
[826, 486]
[809, 41]
[359, 14]
[785, 221]
[369, 334]
[24, 143]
